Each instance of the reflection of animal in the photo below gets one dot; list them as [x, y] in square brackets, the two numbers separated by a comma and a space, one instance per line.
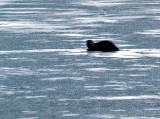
[105, 46]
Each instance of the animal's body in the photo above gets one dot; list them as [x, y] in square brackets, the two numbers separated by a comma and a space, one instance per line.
[105, 46]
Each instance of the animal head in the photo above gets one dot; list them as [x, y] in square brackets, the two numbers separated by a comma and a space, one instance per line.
[90, 44]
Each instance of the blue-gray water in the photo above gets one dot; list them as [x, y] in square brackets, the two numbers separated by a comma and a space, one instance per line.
[46, 72]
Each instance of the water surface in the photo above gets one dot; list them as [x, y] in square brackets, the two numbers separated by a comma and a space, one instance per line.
[46, 72]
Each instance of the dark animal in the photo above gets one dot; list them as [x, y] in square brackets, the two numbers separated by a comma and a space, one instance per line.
[105, 46]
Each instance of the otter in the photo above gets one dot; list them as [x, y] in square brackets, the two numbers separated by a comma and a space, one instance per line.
[105, 46]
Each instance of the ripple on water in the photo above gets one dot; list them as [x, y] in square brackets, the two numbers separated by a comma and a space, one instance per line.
[29, 112]
[17, 71]
[70, 115]
[103, 3]
[64, 78]
[43, 51]
[153, 33]
[139, 117]
[130, 53]
[140, 97]
[126, 53]
[36, 97]
[103, 116]
[114, 98]
[92, 88]
[6, 90]
[29, 26]
[100, 69]
[29, 118]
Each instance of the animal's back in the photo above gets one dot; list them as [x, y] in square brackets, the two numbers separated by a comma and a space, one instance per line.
[106, 46]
